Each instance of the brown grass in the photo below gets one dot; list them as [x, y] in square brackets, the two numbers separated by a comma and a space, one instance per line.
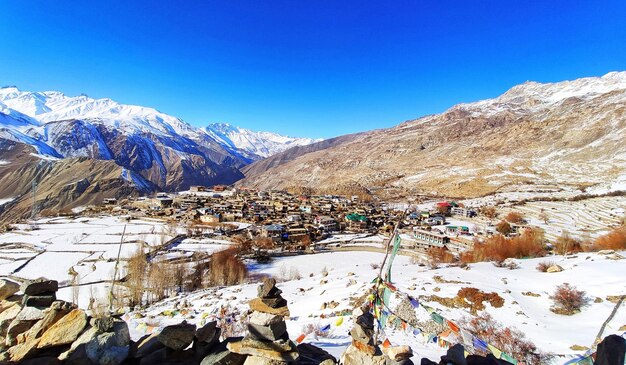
[614, 240]
[514, 217]
[440, 255]
[499, 248]
[566, 244]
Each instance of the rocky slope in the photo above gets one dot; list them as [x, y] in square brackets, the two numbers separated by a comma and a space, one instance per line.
[566, 133]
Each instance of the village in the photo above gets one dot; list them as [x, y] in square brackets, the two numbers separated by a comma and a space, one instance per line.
[298, 222]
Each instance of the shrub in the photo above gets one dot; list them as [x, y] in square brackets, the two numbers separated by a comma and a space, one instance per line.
[614, 240]
[507, 339]
[504, 228]
[440, 255]
[514, 217]
[489, 212]
[544, 265]
[567, 244]
[568, 300]
[499, 248]
[476, 298]
[226, 268]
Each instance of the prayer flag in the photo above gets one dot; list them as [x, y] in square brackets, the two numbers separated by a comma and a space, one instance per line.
[300, 338]
[387, 343]
[480, 344]
[339, 321]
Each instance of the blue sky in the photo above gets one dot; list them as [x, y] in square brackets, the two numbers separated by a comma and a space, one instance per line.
[305, 68]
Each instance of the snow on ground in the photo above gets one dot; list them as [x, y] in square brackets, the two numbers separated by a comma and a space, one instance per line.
[350, 274]
[587, 218]
[4, 201]
[87, 246]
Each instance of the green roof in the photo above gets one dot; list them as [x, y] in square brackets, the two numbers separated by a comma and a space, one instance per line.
[356, 217]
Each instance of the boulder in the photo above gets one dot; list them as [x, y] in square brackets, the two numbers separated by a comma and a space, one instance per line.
[44, 360]
[275, 302]
[273, 332]
[257, 304]
[398, 353]
[109, 348]
[208, 333]
[239, 348]
[17, 327]
[22, 351]
[554, 268]
[264, 319]
[8, 288]
[65, 331]
[7, 316]
[257, 360]
[178, 336]
[224, 357]
[268, 289]
[77, 353]
[43, 300]
[39, 286]
[284, 345]
[103, 324]
[353, 356]
[313, 355]
[146, 346]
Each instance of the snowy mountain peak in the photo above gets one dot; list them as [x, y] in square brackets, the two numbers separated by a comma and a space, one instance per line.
[256, 144]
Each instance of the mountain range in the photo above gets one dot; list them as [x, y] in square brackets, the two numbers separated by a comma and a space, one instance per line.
[79, 150]
[535, 136]
[143, 149]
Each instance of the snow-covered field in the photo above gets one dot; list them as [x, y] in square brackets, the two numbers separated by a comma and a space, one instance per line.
[350, 275]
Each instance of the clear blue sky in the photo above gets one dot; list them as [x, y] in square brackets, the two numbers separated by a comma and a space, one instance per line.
[305, 68]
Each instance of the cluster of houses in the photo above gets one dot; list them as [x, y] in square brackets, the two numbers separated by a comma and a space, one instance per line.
[287, 218]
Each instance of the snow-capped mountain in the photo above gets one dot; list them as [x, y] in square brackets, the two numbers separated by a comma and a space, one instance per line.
[257, 145]
[563, 134]
[148, 144]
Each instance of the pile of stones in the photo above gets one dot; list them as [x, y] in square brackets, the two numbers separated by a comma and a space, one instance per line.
[267, 340]
[35, 328]
[365, 351]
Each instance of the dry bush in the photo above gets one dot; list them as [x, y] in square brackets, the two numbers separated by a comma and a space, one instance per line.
[440, 255]
[136, 270]
[614, 240]
[566, 244]
[504, 228]
[476, 298]
[226, 268]
[489, 212]
[544, 265]
[499, 248]
[568, 300]
[514, 217]
[285, 274]
[507, 339]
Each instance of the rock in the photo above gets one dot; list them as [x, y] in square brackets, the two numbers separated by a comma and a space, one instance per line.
[110, 348]
[362, 335]
[44, 300]
[20, 352]
[352, 356]
[77, 353]
[606, 252]
[30, 314]
[455, 355]
[313, 355]
[65, 331]
[178, 336]
[237, 347]
[264, 319]
[17, 327]
[39, 286]
[554, 268]
[275, 302]
[44, 360]
[7, 316]
[272, 332]
[366, 348]
[268, 289]
[102, 324]
[146, 346]
[208, 332]
[283, 345]
[256, 360]
[398, 353]
[256, 304]
[224, 357]
[8, 288]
